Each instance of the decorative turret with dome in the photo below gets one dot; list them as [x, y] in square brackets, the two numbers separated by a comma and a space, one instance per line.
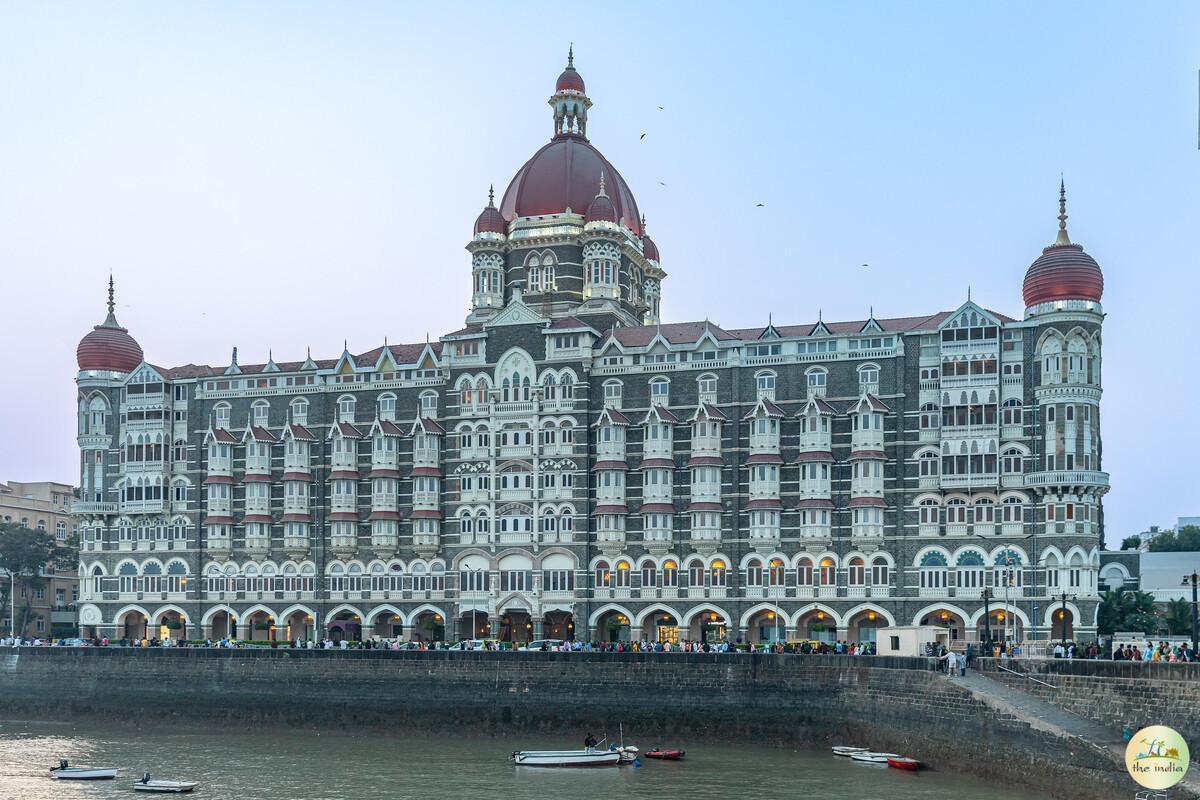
[1064, 277]
[567, 232]
[109, 347]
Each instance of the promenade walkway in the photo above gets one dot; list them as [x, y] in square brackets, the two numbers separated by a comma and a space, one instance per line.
[1043, 716]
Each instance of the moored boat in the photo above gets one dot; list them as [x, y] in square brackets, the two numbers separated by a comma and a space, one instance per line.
[846, 752]
[629, 754]
[873, 758]
[165, 787]
[566, 758]
[65, 772]
[904, 763]
[664, 755]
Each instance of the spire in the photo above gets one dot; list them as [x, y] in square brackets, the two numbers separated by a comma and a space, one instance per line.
[1062, 239]
[602, 192]
[111, 305]
[491, 195]
[571, 56]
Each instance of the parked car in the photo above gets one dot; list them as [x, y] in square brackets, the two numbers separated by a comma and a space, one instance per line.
[476, 644]
[544, 644]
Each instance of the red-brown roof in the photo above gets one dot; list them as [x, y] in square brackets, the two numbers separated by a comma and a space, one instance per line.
[611, 508]
[764, 458]
[108, 346]
[262, 434]
[875, 502]
[349, 431]
[657, 508]
[815, 502]
[301, 432]
[1063, 272]
[611, 465]
[563, 174]
[769, 503]
[222, 435]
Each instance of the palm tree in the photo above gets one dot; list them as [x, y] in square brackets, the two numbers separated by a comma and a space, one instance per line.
[1123, 610]
[1113, 605]
[1178, 616]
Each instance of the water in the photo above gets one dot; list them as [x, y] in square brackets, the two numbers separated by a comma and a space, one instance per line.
[239, 764]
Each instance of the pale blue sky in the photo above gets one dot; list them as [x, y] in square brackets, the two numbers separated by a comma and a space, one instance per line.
[286, 174]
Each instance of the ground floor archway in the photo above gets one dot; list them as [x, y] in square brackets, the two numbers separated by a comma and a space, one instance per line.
[170, 624]
[132, 624]
[297, 624]
[345, 626]
[947, 618]
[613, 626]
[709, 625]
[428, 626]
[474, 624]
[661, 626]
[516, 626]
[767, 626]
[818, 625]
[558, 625]
[259, 626]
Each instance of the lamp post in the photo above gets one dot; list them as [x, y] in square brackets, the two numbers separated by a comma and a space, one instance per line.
[1193, 579]
[986, 594]
[1062, 616]
[12, 606]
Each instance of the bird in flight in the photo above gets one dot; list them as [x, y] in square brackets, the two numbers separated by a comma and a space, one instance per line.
[760, 205]
[866, 265]
[643, 136]
[660, 183]
[660, 108]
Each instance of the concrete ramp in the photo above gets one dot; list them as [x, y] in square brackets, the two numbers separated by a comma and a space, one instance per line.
[1049, 718]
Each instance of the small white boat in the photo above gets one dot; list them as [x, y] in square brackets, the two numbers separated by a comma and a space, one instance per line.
[629, 754]
[566, 758]
[65, 772]
[164, 787]
[869, 757]
[846, 752]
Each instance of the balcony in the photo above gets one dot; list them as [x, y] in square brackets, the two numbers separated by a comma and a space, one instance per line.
[258, 544]
[516, 450]
[1082, 478]
[430, 499]
[384, 541]
[516, 537]
[957, 481]
[558, 493]
[817, 532]
[509, 495]
[514, 408]
[143, 506]
[83, 507]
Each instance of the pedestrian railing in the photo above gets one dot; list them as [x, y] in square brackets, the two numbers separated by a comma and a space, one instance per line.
[1025, 675]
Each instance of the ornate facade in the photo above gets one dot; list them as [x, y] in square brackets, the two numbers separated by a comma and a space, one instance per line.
[568, 466]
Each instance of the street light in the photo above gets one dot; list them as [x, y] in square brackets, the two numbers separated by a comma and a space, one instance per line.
[986, 595]
[1193, 579]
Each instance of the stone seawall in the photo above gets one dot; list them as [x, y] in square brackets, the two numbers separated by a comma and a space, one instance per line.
[1114, 693]
[886, 703]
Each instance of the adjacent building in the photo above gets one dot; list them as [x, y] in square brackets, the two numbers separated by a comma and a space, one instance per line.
[569, 465]
[51, 596]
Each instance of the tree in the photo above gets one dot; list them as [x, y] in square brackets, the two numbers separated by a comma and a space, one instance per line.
[1123, 610]
[25, 552]
[1131, 543]
[1184, 540]
[1178, 616]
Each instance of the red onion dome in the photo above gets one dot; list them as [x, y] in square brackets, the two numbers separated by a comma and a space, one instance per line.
[1063, 271]
[489, 220]
[108, 346]
[564, 174]
[649, 248]
[601, 208]
[569, 80]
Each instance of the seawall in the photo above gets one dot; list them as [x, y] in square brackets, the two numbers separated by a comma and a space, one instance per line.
[897, 704]
[1113, 693]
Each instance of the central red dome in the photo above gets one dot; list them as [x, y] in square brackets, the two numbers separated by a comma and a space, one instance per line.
[566, 174]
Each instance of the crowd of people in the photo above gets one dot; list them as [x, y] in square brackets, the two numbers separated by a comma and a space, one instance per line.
[1163, 651]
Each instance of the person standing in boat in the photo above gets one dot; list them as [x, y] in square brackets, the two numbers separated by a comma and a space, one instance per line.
[589, 742]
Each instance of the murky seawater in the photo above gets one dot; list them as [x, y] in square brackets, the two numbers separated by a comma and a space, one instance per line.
[240, 764]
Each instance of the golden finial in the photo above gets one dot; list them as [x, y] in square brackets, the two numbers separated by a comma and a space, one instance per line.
[1062, 215]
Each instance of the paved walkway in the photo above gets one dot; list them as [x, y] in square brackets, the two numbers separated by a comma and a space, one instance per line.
[1044, 716]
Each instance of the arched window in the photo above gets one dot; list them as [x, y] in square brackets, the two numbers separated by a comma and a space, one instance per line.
[1011, 412]
[670, 574]
[221, 415]
[346, 404]
[603, 575]
[300, 411]
[931, 416]
[754, 572]
[804, 572]
[719, 572]
[856, 571]
[933, 571]
[612, 393]
[660, 391]
[764, 384]
[621, 579]
[956, 512]
[775, 573]
[868, 376]
[816, 379]
[880, 572]
[649, 574]
[706, 384]
[929, 464]
[1012, 509]
[696, 573]
[387, 406]
[1012, 462]
[929, 512]
[260, 413]
[827, 572]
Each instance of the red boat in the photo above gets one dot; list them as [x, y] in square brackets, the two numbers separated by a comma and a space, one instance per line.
[665, 755]
[904, 763]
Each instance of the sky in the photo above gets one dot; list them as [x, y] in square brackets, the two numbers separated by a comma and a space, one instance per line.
[284, 175]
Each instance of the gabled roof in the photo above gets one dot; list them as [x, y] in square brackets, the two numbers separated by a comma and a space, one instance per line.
[427, 425]
[710, 411]
[765, 408]
[572, 324]
[819, 404]
[672, 333]
[662, 413]
[299, 432]
[613, 417]
[260, 434]
[222, 435]
[872, 403]
[347, 430]
[386, 427]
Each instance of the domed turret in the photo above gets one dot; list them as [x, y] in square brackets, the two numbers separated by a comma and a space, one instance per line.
[570, 80]
[601, 208]
[1063, 271]
[108, 347]
[490, 220]
[649, 248]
